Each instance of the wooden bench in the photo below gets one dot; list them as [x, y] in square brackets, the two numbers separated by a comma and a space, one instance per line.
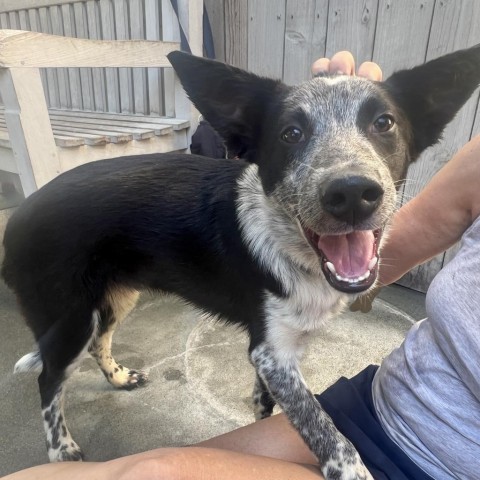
[38, 143]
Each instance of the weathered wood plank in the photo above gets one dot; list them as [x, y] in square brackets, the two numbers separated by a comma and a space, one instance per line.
[29, 49]
[305, 33]
[112, 136]
[124, 74]
[4, 20]
[98, 74]
[34, 26]
[26, 115]
[216, 15]
[154, 75]
[170, 32]
[52, 78]
[266, 32]
[113, 118]
[81, 31]
[139, 74]
[14, 21]
[113, 133]
[111, 126]
[23, 20]
[402, 31]
[13, 5]
[351, 26]
[111, 76]
[73, 73]
[89, 138]
[236, 33]
[68, 142]
[62, 73]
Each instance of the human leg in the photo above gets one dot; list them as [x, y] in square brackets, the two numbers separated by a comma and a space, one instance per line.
[190, 463]
[271, 437]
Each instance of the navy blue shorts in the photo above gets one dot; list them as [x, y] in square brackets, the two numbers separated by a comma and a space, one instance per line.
[349, 403]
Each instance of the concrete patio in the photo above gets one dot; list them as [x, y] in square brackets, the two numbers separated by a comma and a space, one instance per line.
[200, 378]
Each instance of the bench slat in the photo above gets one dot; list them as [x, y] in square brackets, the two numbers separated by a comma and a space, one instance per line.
[115, 125]
[176, 123]
[63, 141]
[30, 49]
[113, 136]
[74, 128]
[67, 141]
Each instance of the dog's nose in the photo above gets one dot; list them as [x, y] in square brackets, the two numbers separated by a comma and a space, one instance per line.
[352, 199]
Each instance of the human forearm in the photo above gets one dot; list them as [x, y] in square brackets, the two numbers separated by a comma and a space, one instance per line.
[436, 218]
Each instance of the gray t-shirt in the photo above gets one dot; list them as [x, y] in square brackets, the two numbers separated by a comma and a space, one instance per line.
[427, 391]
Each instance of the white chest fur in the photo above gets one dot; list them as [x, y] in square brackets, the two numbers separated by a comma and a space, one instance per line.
[278, 245]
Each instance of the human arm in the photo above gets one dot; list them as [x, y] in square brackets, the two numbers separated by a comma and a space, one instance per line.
[436, 218]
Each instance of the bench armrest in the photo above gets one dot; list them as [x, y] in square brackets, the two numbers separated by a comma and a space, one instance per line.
[21, 49]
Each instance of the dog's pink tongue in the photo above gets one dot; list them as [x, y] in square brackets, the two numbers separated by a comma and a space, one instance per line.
[350, 253]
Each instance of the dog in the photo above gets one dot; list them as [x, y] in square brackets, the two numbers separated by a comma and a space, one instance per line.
[277, 243]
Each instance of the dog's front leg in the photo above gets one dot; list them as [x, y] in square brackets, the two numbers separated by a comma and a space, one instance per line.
[337, 457]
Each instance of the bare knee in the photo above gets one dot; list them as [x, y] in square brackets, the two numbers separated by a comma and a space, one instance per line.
[174, 464]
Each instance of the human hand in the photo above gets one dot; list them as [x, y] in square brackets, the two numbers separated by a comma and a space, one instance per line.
[344, 63]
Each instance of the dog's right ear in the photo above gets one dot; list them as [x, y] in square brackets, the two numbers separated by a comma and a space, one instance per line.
[431, 94]
[232, 100]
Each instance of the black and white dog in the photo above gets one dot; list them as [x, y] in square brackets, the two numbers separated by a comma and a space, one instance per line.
[276, 243]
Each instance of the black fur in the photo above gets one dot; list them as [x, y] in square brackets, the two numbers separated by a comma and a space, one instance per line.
[189, 225]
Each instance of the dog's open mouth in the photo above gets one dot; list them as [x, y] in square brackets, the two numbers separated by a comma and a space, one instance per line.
[349, 261]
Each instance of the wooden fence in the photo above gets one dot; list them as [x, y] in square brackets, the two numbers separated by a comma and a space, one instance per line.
[281, 38]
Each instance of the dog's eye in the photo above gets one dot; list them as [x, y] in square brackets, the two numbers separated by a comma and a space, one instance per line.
[292, 135]
[383, 123]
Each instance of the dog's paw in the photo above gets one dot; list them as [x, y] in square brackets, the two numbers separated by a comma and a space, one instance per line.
[262, 401]
[135, 378]
[260, 410]
[66, 452]
[122, 377]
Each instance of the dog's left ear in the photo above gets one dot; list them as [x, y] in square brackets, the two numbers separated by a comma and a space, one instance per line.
[431, 94]
[232, 100]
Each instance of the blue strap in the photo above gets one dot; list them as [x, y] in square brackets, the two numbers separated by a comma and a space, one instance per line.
[208, 46]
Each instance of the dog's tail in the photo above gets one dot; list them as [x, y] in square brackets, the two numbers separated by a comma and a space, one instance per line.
[31, 362]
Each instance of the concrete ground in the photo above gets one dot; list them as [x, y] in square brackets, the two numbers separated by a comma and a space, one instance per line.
[200, 378]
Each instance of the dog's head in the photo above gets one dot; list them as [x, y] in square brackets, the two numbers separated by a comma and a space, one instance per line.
[332, 151]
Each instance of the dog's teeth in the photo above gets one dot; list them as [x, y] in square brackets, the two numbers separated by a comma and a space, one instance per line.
[364, 276]
[373, 262]
[349, 280]
[331, 267]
